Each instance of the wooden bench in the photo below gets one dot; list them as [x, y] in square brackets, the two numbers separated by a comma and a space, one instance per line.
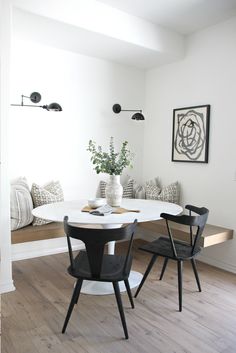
[43, 232]
[211, 235]
[32, 233]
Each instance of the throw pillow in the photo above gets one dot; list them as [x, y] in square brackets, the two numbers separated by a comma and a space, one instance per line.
[127, 189]
[154, 181]
[102, 187]
[21, 204]
[139, 191]
[41, 195]
[168, 193]
[152, 189]
[152, 192]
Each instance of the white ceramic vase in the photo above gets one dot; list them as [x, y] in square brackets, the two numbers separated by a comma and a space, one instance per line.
[114, 191]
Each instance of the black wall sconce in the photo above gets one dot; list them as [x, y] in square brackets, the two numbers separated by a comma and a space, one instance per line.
[137, 116]
[35, 98]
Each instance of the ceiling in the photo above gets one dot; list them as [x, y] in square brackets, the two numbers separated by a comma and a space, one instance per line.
[138, 33]
[64, 36]
[182, 16]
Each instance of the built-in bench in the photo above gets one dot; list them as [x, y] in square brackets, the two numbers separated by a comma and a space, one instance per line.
[32, 233]
[212, 234]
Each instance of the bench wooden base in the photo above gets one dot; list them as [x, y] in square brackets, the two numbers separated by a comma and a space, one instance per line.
[212, 234]
[32, 233]
[46, 231]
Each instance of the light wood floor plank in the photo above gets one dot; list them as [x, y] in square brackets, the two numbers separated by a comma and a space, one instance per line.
[33, 315]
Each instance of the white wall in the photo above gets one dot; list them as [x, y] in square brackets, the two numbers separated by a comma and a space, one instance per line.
[6, 283]
[206, 76]
[47, 145]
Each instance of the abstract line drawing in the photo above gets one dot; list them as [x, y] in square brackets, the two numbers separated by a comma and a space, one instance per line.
[190, 138]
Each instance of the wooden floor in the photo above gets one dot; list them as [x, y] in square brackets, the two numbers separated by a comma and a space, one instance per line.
[33, 315]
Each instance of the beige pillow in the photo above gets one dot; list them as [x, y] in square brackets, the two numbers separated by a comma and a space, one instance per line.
[21, 204]
[139, 191]
[41, 195]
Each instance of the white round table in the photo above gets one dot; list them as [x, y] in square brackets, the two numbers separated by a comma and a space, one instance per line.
[150, 210]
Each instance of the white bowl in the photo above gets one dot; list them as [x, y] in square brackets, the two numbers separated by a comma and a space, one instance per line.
[95, 203]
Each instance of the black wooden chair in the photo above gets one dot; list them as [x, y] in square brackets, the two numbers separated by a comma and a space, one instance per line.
[179, 251]
[94, 265]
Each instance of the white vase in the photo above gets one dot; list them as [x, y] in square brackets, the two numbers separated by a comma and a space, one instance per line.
[114, 191]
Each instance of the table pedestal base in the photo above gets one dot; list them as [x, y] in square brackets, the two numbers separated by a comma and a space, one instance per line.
[103, 288]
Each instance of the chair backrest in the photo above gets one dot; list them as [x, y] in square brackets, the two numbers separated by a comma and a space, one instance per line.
[198, 221]
[95, 241]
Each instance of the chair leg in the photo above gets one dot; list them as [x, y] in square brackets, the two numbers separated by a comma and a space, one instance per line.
[120, 307]
[78, 294]
[74, 300]
[151, 263]
[164, 268]
[180, 270]
[129, 292]
[196, 274]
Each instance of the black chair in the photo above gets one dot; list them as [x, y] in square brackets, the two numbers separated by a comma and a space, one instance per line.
[178, 250]
[94, 265]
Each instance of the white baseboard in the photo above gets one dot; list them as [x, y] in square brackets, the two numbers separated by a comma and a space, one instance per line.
[217, 263]
[6, 287]
[39, 248]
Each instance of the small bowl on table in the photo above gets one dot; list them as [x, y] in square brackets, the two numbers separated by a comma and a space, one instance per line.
[97, 202]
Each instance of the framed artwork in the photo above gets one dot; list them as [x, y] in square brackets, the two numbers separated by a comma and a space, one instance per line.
[190, 137]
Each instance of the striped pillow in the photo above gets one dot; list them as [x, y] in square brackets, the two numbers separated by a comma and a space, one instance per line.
[102, 187]
[127, 189]
[21, 204]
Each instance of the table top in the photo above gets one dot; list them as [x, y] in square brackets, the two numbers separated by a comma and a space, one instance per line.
[150, 210]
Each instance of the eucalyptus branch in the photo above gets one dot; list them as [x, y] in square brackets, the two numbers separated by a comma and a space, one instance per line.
[111, 162]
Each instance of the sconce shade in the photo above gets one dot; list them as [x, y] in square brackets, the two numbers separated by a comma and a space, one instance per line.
[55, 107]
[137, 116]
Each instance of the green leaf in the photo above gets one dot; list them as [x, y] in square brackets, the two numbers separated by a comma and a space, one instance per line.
[111, 162]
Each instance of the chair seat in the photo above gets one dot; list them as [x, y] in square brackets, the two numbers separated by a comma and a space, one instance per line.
[162, 247]
[112, 268]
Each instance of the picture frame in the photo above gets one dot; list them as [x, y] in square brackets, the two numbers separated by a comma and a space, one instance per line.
[190, 136]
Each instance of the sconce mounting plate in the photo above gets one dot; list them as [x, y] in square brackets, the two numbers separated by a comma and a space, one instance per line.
[35, 97]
